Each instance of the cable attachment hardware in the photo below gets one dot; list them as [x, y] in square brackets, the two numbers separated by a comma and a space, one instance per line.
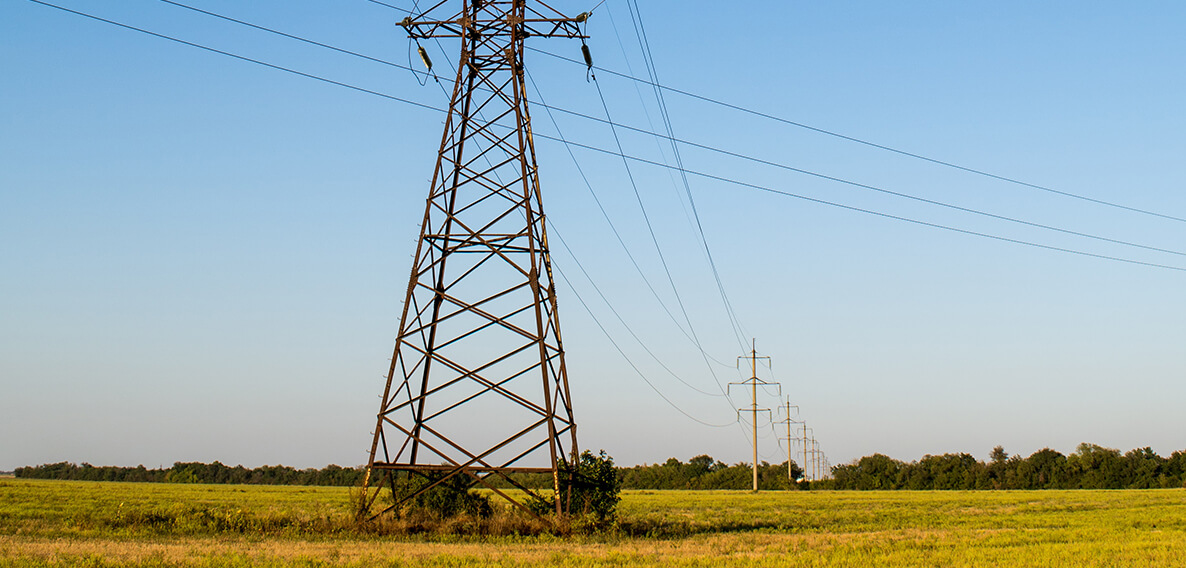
[588, 62]
[424, 57]
[427, 63]
[583, 18]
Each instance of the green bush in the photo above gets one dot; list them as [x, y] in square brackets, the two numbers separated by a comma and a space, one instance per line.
[450, 498]
[589, 488]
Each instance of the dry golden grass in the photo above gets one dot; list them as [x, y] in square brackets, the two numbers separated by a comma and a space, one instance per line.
[67, 524]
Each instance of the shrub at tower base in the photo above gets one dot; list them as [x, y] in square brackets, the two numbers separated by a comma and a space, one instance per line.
[591, 487]
[452, 497]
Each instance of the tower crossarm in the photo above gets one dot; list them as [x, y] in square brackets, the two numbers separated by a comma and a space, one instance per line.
[487, 18]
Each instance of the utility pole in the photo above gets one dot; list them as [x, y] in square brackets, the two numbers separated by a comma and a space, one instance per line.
[753, 383]
[814, 458]
[788, 421]
[805, 442]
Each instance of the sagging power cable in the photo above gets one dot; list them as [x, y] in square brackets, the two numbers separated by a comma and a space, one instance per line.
[878, 146]
[612, 153]
[675, 141]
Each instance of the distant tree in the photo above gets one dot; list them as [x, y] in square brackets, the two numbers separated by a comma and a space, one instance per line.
[1144, 469]
[1044, 469]
[736, 476]
[998, 470]
[998, 455]
[182, 473]
[702, 465]
[1096, 467]
[877, 471]
[947, 471]
[1174, 469]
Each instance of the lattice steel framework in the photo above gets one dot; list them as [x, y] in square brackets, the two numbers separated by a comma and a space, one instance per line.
[478, 385]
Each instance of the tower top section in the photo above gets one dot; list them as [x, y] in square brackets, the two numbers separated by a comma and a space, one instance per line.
[477, 18]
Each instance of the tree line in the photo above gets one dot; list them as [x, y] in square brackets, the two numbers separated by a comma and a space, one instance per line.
[1089, 467]
[197, 472]
[704, 472]
[700, 472]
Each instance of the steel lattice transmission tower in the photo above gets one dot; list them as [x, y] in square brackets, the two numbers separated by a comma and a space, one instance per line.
[478, 386]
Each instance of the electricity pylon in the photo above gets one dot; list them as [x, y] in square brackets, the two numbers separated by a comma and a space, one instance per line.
[821, 460]
[754, 382]
[788, 421]
[805, 439]
[478, 386]
[814, 459]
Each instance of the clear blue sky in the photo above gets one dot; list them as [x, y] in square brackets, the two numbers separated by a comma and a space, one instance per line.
[203, 259]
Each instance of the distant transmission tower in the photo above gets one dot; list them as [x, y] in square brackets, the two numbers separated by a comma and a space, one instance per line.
[789, 421]
[806, 449]
[477, 387]
[754, 382]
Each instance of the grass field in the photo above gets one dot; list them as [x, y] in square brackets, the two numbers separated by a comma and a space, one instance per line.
[56, 523]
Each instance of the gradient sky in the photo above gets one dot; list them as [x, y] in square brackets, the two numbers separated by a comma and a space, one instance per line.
[203, 259]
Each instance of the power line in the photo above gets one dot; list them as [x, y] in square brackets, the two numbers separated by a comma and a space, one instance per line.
[654, 238]
[393, 7]
[871, 144]
[240, 57]
[614, 228]
[679, 162]
[876, 213]
[678, 299]
[869, 186]
[695, 341]
[617, 315]
[612, 153]
[628, 361]
[277, 67]
[640, 31]
[287, 35]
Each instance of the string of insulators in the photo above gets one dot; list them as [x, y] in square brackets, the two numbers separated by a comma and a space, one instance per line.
[424, 57]
[588, 56]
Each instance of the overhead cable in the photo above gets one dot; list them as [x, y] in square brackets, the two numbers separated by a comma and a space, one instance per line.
[618, 316]
[876, 213]
[614, 229]
[635, 158]
[873, 144]
[679, 162]
[652, 71]
[637, 371]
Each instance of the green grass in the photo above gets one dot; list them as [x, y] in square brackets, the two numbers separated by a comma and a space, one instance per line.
[50, 523]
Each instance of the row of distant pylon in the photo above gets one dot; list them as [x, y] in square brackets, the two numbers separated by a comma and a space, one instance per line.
[815, 464]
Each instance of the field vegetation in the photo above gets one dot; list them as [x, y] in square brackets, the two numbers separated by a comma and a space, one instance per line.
[63, 523]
